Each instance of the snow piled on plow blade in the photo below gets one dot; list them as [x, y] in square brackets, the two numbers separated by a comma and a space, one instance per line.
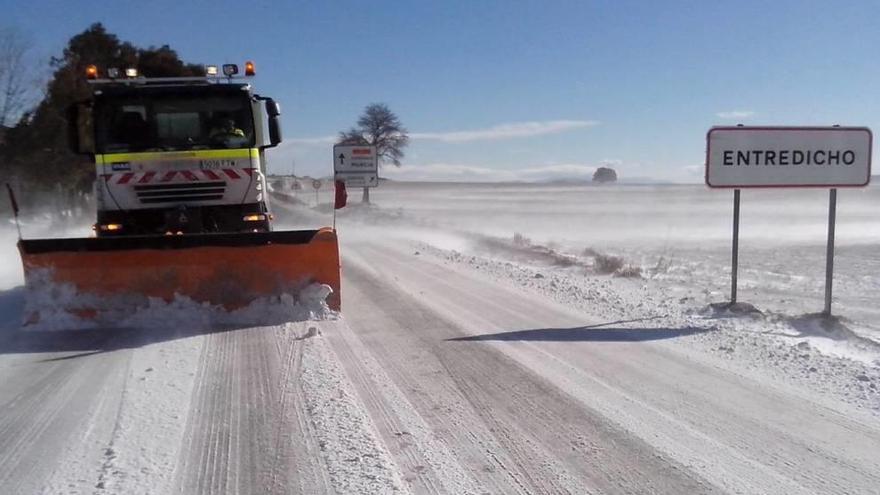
[59, 306]
[256, 278]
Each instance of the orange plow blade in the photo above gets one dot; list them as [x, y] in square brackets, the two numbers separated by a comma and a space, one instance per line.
[229, 270]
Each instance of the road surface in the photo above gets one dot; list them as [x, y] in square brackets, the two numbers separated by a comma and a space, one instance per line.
[466, 386]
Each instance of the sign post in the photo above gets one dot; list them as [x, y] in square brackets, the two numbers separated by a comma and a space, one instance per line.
[734, 259]
[829, 250]
[787, 157]
[14, 204]
[316, 185]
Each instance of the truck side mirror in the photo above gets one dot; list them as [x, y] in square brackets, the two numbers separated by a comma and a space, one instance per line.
[274, 112]
[80, 136]
[272, 107]
[274, 131]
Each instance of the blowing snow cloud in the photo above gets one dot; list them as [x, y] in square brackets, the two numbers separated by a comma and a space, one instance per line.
[494, 133]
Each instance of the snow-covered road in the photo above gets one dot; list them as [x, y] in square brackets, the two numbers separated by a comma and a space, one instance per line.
[56, 407]
[474, 386]
[437, 379]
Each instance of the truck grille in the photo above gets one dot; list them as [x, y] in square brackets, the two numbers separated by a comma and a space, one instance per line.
[175, 193]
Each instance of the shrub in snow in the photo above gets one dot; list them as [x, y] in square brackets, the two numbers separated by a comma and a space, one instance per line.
[607, 264]
[663, 266]
[629, 271]
[521, 240]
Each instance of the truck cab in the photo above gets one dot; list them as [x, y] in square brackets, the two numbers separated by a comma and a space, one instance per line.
[178, 155]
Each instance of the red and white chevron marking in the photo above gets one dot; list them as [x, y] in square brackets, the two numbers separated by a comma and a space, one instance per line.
[179, 176]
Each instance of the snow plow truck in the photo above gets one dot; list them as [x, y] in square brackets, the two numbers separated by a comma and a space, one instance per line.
[182, 206]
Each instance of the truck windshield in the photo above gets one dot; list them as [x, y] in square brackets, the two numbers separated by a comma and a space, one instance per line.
[173, 122]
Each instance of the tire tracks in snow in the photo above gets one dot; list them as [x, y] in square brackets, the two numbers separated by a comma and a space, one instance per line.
[50, 415]
[447, 403]
[296, 426]
[541, 440]
[426, 463]
[676, 405]
[246, 432]
[806, 455]
[775, 443]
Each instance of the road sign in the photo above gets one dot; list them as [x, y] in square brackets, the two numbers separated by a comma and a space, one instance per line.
[358, 180]
[316, 184]
[357, 166]
[743, 157]
[831, 157]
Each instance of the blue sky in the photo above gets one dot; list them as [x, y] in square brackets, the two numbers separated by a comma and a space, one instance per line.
[514, 90]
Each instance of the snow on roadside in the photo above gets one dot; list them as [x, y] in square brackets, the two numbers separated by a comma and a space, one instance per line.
[357, 460]
[450, 474]
[11, 273]
[748, 343]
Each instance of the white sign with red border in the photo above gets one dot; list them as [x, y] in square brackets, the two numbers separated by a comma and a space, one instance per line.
[744, 157]
[357, 166]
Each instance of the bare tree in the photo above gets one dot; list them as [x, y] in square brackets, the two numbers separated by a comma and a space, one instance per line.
[380, 127]
[17, 89]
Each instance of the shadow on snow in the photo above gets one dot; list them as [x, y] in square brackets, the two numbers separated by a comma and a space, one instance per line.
[16, 339]
[92, 341]
[591, 333]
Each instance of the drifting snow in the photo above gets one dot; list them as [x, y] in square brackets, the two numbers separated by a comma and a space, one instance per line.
[815, 354]
[675, 236]
[662, 253]
[582, 238]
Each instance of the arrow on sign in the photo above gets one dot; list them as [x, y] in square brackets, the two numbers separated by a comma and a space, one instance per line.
[341, 158]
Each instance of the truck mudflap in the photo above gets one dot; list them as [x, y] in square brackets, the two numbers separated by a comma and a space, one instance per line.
[86, 276]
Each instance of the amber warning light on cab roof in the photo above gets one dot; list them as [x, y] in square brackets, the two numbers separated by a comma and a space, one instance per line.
[228, 70]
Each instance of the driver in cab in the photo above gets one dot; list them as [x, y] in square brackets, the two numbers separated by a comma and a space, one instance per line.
[224, 128]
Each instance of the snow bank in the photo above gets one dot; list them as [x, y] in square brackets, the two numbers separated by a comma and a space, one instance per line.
[11, 274]
[356, 459]
[825, 358]
[432, 451]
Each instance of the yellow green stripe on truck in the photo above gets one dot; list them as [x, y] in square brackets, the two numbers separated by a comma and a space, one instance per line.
[110, 158]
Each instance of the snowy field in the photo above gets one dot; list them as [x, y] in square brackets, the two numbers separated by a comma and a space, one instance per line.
[493, 339]
[679, 236]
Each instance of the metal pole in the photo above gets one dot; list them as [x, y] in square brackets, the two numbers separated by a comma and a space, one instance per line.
[14, 208]
[829, 253]
[735, 255]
